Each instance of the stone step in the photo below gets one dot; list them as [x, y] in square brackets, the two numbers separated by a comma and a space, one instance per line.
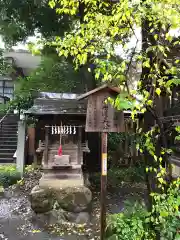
[7, 160]
[6, 146]
[8, 141]
[73, 167]
[9, 131]
[62, 170]
[7, 136]
[9, 127]
[10, 123]
[11, 137]
[62, 176]
[8, 150]
[6, 154]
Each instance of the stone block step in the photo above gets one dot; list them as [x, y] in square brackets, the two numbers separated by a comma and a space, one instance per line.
[6, 146]
[60, 183]
[6, 154]
[11, 124]
[9, 131]
[8, 142]
[13, 138]
[7, 160]
[62, 176]
[51, 167]
[9, 128]
[7, 136]
[8, 150]
[60, 170]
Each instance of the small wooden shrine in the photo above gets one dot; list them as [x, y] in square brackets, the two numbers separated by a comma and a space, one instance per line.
[65, 138]
[61, 135]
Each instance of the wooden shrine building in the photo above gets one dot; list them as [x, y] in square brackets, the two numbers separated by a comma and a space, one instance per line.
[60, 138]
[60, 122]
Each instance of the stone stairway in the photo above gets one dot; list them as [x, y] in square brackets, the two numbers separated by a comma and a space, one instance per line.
[8, 138]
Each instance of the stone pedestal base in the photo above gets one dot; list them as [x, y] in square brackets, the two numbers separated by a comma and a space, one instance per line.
[45, 182]
[62, 202]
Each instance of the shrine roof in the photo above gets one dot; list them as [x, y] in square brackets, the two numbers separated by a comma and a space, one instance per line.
[114, 89]
[57, 103]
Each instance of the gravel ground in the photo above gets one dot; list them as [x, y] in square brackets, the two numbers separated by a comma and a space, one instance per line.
[18, 222]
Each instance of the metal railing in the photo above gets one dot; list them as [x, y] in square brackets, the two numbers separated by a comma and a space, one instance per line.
[2, 120]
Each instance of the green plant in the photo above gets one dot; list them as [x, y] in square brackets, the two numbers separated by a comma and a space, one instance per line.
[104, 26]
[30, 168]
[22, 101]
[53, 74]
[166, 209]
[8, 175]
[3, 108]
[130, 224]
[117, 176]
[136, 223]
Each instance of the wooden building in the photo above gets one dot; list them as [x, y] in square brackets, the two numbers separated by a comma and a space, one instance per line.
[60, 121]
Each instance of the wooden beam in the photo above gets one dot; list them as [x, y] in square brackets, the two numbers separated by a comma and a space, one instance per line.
[103, 183]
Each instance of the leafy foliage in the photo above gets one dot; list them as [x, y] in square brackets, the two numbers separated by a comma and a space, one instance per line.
[135, 222]
[21, 102]
[130, 224]
[53, 74]
[118, 176]
[103, 26]
[21, 19]
[8, 175]
[114, 139]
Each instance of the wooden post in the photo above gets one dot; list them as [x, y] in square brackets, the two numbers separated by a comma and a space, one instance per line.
[79, 145]
[46, 145]
[31, 145]
[103, 183]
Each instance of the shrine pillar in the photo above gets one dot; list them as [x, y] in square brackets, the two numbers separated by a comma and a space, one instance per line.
[21, 144]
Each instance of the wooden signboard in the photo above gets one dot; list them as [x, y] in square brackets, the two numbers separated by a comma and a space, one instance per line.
[101, 116]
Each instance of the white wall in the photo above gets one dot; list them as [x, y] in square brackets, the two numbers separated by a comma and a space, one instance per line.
[25, 60]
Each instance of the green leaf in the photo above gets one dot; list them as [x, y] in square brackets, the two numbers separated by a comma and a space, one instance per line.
[171, 82]
[161, 180]
[158, 91]
[123, 104]
[52, 4]
[177, 237]
[164, 214]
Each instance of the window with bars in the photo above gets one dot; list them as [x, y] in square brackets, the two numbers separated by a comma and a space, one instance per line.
[7, 88]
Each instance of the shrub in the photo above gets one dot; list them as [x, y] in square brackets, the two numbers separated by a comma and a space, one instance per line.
[8, 175]
[118, 175]
[129, 225]
[136, 223]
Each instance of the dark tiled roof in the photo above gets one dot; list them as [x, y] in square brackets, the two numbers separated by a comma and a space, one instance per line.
[59, 105]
